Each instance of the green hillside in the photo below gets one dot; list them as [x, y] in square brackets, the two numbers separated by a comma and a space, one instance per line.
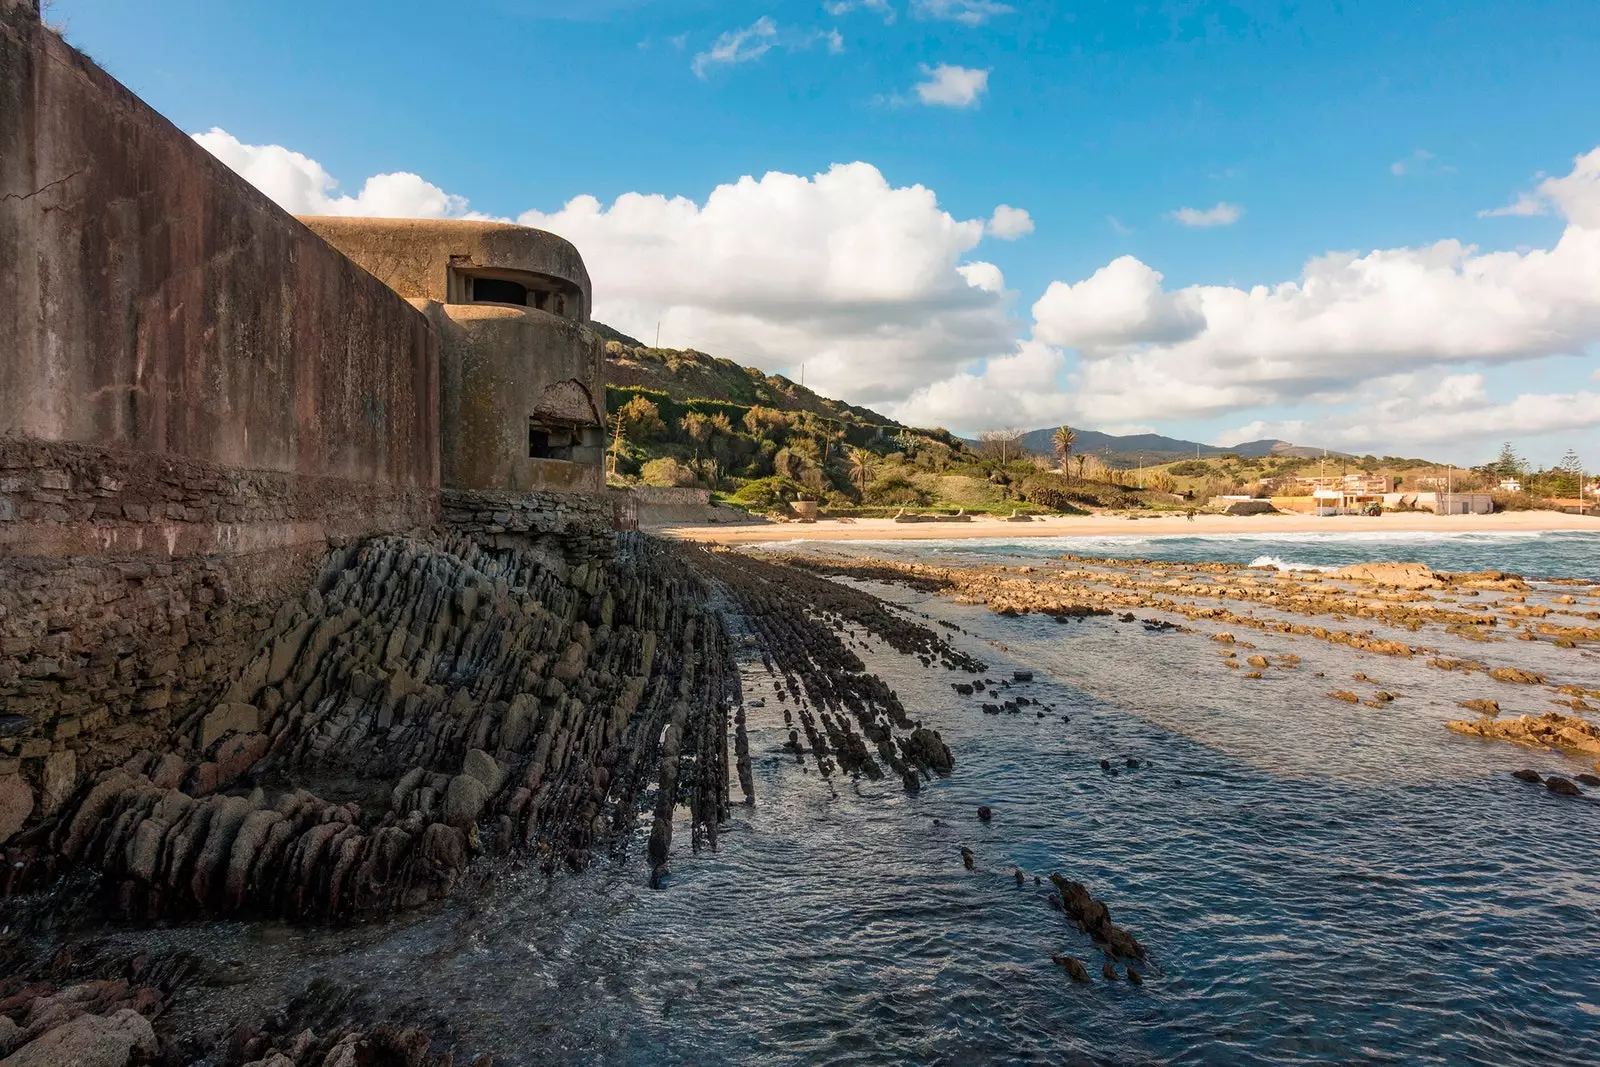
[685, 418]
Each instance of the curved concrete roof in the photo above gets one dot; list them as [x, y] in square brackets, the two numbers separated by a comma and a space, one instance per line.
[412, 256]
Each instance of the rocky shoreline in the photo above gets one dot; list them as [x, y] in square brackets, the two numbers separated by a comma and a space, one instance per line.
[1403, 611]
[431, 712]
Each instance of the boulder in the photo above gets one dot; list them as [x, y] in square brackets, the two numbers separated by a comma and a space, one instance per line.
[16, 804]
[1074, 967]
[482, 766]
[59, 779]
[1398, 575]
[1527, 775]
[89, 1041]
[1562, 787]
[464, 799]
[225, 719]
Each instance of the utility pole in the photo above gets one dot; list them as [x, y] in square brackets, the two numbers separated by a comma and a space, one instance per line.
[658, 333]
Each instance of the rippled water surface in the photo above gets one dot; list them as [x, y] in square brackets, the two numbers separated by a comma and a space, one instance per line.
[1537, 555]
[1315, 882]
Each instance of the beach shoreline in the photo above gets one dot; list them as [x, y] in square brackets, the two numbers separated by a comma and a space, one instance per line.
[1171, 525]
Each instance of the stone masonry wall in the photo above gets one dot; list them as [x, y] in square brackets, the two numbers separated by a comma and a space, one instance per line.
[577, 527]
[132, 585]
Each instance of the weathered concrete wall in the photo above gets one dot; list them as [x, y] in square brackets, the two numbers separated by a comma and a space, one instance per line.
[503, 363]
[498, 364]
[155, 301]
[132, 584]
[197, 398]
[416, 257]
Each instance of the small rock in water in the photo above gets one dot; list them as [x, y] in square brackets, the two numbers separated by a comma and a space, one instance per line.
[1108, 971]
[1562, 787]
[911, 780]
[985, 814]
[966, 857]
[1022, 676]
[1132, 761]
[1134, 977]
[1527, 775]
[1589, 779]
[1105, 765]
[1019, 877]
[1074, 967]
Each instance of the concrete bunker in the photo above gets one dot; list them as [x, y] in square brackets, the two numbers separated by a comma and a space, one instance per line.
[519, 367]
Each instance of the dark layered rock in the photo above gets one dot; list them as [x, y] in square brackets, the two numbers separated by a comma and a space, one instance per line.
[1094, 918]
[425, 703]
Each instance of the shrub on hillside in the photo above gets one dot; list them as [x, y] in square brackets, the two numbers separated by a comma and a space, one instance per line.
[896, 488]
[667, 472]
[766, 494]
[1190, 468]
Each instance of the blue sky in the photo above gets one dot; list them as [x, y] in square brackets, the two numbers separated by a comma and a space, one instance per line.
[1297, 129]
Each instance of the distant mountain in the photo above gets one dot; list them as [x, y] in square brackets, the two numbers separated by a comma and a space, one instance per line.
[1124, 450]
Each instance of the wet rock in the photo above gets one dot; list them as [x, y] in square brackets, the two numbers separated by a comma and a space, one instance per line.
[1490, 708]
[1550, 730]
[985, 814]
[1412, 576]
[1516, 675]
[966, 857]
[911, 781]
[1345, 695]
[1022, 676]
[16, 804]
[1018, 875]
[1108, 972]
[1527, 775]
[90, 1041]
[1135, 977]
[1589, 779]
[1562, 787]
[1095, 919]
[1074, 967]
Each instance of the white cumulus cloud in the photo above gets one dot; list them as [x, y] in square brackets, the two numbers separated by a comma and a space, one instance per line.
[863, 282]
[1224, 214]
[1009, 223]
[1122, 303]
[951, 86]
[300, 185]
[1575, 196]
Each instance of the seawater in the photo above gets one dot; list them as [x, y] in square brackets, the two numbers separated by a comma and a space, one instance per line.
[1315, 882]
[1536, 555]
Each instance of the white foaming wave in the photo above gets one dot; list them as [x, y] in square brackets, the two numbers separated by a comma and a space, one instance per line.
[1284, 565]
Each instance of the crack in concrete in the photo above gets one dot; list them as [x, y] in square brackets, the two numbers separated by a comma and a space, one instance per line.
[41, 189]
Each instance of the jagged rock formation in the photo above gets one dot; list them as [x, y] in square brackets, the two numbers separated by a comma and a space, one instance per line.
[430, 702]
[424, 703]
[849, 717]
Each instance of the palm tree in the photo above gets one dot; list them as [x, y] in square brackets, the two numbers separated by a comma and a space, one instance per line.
[860, 468]
[1063, 441]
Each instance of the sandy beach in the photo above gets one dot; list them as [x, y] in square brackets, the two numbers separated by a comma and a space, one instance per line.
[1154, 526]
